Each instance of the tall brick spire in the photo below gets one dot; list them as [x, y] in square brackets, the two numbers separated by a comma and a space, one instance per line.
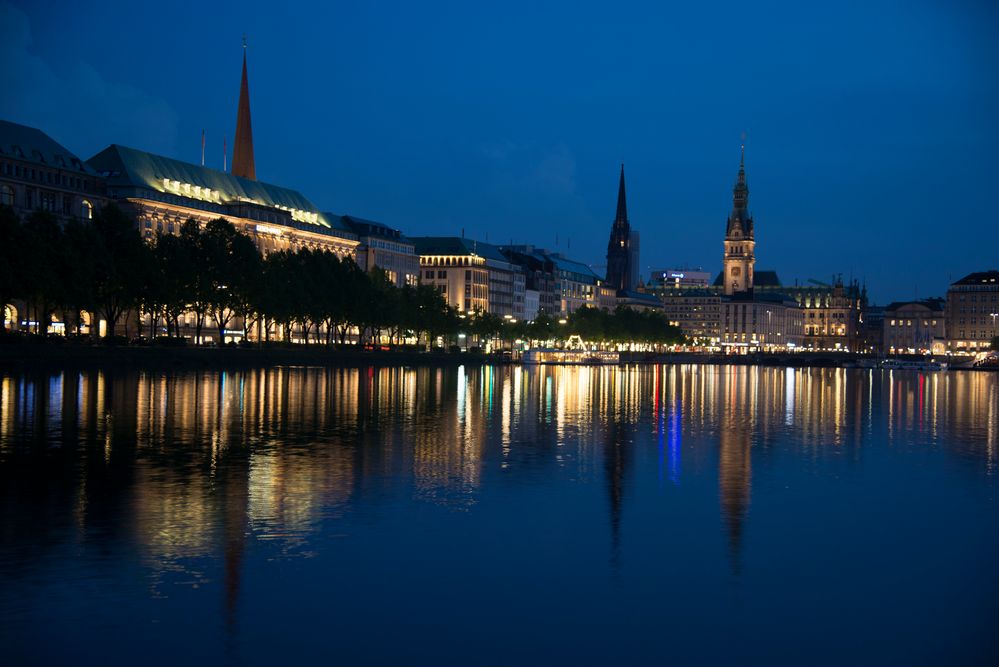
[242, 151]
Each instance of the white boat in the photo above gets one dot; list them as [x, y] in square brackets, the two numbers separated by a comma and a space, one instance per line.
[541, 355]
[908, 365]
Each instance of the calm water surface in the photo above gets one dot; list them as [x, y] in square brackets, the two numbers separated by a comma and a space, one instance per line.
[500, 516]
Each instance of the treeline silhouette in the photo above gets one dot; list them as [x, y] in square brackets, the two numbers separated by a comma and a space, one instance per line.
[215, 275]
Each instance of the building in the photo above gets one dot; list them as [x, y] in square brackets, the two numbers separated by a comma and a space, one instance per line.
[872, 332]
[564, 285]
[472, 275]
[744, 310]
[383, 247]
[619, 256]
[635, 260]
[765, 322]
[972, 312]
[740, 246]
[38, 173]
[697, 313]
[677, 279]
[914, 327]
[834, 314]
[162, 193]
[539, 277]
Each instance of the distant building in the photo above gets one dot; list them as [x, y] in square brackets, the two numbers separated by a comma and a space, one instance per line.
[833, 314]
[619, 255]
[676, 279]
[872, 333]
[914, 327]
[564, 285]
[697, 312]
[768, 321]
[635, 260]
[972, 312]
[743, 310]
[740, 246]
[532, 304]
[383, 247]
[37, 173]
[472, 275]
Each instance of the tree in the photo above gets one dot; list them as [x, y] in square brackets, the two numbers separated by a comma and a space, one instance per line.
[42, 287]
[121, 258]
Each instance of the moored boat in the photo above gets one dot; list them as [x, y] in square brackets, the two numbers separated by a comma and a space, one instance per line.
[540, 355]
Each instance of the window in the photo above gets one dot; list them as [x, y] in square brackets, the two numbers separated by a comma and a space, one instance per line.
[6, 195]
[86, 210]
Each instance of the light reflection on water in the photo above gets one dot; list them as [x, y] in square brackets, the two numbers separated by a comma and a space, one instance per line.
[166, 497]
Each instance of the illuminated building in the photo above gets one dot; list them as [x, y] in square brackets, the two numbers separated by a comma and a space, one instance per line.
[972, 312]
[471, 275]
[834, 314]
[740, 246]
[682, 278]
[385, 248]
[744, 310]
[914, 327]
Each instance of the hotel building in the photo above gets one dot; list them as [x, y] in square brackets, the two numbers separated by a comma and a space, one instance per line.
[972, 312]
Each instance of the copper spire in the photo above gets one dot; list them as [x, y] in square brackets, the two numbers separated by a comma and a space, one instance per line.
[242, 150]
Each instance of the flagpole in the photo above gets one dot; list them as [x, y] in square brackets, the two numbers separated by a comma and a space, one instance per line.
[202, 148]
[225, 153]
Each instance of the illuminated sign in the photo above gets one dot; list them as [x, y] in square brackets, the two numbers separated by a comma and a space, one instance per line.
[676, 275]
[268, 229]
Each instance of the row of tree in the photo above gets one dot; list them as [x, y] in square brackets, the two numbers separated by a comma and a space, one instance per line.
[215, 274]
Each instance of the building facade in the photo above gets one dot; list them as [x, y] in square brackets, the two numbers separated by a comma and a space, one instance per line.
[697, 313]
[834, 314]
[766, 322]
[38, 173]
[471, 275]
[383, 247]
[972, 312]
[914, 327]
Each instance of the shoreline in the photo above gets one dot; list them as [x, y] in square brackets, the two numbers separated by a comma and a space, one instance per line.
[19, 356]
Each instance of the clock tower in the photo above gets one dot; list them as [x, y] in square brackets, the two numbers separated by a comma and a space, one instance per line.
[740, 248]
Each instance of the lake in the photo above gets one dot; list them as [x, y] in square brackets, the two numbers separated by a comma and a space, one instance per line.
[499, 515]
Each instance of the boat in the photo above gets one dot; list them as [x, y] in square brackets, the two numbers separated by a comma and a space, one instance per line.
[541, 355]
[913, 365]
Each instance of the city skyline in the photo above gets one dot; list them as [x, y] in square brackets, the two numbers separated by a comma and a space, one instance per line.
[678, 196]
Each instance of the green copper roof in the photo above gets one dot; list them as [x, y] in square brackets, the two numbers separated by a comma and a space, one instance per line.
[131, 168]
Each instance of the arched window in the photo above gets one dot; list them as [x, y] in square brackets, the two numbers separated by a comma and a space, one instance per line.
[87, 210]
[6, 195]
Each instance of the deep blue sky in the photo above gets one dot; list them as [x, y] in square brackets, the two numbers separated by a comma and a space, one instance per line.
[872, 149]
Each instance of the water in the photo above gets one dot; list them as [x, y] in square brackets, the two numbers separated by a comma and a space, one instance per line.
[499, 516]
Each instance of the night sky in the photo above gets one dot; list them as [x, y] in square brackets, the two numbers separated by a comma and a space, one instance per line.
[872, 135]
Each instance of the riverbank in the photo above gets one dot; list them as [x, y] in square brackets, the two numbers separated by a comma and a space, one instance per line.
[61, 355]
[52, 355]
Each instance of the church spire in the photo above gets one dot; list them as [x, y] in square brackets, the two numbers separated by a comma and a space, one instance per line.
[622, 206]
[242, 152]
[619, 245]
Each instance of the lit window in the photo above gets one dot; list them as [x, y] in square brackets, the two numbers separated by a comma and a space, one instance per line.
[87, 210]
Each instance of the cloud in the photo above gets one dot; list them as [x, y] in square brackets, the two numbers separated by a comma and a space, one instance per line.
[80, 108]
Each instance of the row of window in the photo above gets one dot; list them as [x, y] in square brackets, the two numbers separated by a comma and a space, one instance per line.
[908, 323]
[45, 176]
[46, 201]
